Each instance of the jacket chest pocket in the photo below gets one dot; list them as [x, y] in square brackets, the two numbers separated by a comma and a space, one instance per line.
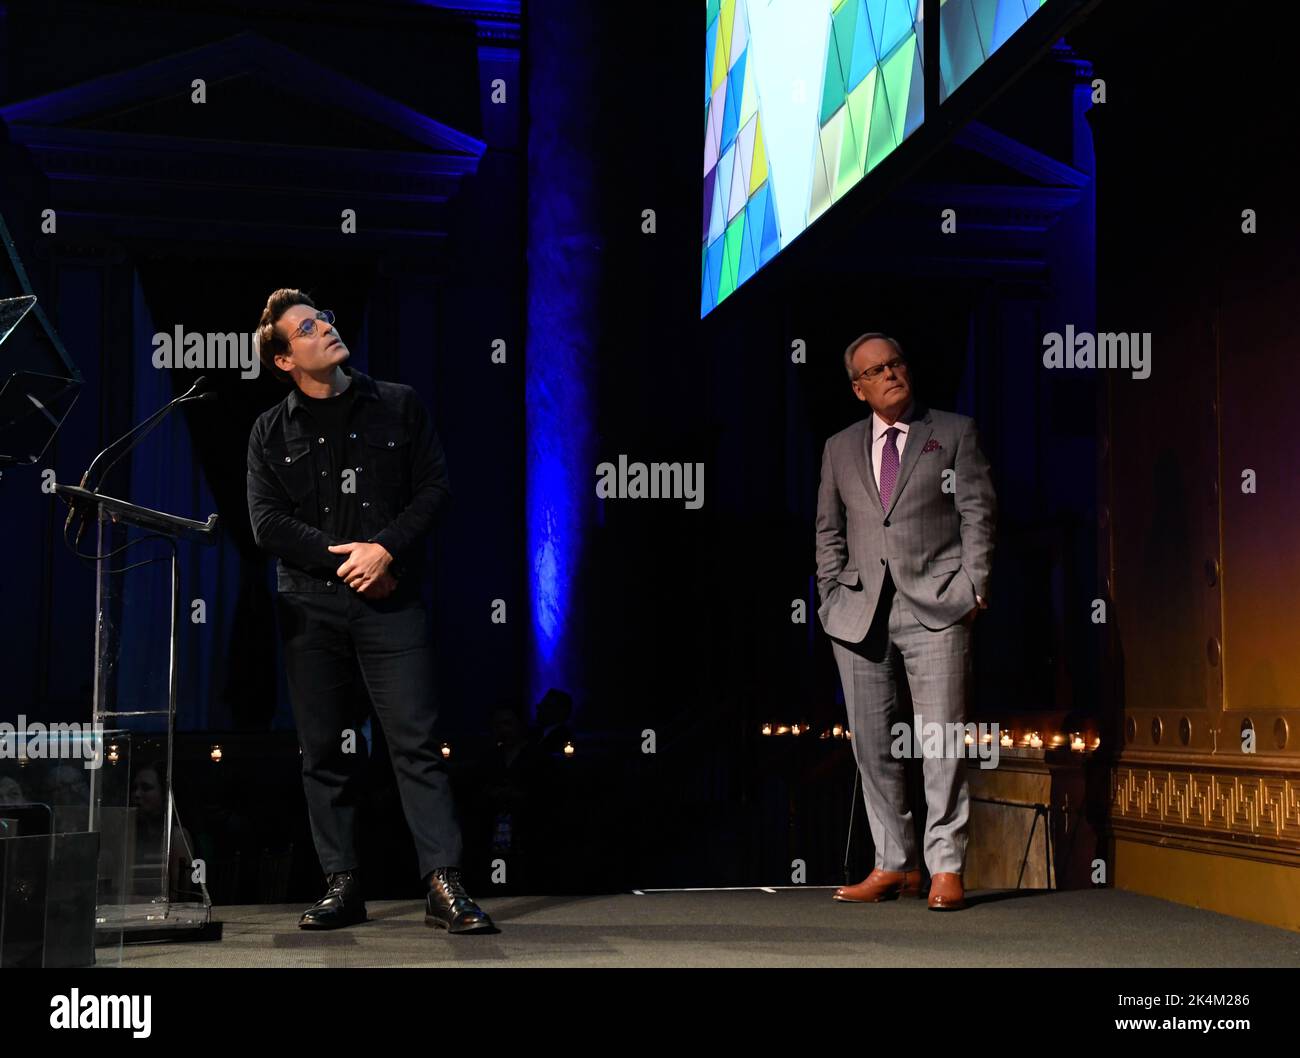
[388, 453]
[292, 468]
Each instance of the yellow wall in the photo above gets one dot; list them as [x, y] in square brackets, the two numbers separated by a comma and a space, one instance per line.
[1262, 892]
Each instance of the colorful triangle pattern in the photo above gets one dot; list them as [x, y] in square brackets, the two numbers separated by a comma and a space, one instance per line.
[739, 212]
[872, 98]
[972, 30]
[872, 93]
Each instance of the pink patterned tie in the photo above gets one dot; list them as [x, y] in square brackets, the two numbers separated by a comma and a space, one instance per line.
[888, 467]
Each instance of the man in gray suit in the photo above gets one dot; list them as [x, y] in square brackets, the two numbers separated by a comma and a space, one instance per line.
[905, 526]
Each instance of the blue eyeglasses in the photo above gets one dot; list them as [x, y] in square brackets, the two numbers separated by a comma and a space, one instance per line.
[308, 326]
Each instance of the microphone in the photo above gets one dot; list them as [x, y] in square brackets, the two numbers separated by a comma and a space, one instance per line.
[146, 426]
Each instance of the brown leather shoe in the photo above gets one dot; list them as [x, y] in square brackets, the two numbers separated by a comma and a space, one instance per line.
[946, 892]
[881, 885]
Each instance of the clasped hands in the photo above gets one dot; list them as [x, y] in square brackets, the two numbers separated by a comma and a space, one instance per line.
[365, 570]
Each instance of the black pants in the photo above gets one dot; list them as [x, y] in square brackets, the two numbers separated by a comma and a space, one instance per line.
[327, 638]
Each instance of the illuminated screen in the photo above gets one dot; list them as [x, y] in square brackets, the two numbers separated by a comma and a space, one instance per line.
[803, 98]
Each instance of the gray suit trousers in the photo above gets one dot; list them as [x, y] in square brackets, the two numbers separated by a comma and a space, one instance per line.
[937, 666]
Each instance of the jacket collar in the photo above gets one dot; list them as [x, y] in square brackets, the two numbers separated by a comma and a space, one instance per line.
[362, 383]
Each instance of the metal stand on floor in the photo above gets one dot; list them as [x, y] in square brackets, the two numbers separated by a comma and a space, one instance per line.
[853, 808]
[1045, 811]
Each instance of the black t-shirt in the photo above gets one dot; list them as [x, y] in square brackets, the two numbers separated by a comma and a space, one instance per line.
[330, 414]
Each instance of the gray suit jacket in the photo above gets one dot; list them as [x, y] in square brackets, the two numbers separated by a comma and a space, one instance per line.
[937, 544]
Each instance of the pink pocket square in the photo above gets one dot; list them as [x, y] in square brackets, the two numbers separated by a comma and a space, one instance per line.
[931, 446]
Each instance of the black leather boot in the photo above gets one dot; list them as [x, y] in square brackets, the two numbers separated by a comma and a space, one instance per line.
[340, 906]
[449, 907]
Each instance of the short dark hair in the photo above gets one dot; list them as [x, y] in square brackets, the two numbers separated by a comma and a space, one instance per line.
[269, 344]
[869, 336]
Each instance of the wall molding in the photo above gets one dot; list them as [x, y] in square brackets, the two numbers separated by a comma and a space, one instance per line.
[1250, 811]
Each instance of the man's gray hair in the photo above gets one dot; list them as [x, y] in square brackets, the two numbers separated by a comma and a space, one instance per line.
[869, 336]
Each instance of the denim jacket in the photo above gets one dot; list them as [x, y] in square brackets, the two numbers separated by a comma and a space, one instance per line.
[400, 477]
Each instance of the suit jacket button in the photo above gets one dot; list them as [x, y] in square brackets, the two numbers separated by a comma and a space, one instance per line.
[886, 523]
[882, 561]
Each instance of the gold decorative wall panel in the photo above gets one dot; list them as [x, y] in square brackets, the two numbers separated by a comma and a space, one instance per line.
[1259, 812]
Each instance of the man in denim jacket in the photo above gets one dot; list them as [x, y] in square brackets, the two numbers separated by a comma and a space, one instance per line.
[346, 477]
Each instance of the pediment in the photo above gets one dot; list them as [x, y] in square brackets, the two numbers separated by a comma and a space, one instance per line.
[258, 92]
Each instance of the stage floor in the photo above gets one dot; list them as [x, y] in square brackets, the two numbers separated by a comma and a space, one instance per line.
[752, 928]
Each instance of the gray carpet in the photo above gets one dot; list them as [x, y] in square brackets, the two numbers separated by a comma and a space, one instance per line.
[751, 928]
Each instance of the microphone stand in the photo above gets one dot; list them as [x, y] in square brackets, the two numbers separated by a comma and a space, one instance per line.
[138, 433]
